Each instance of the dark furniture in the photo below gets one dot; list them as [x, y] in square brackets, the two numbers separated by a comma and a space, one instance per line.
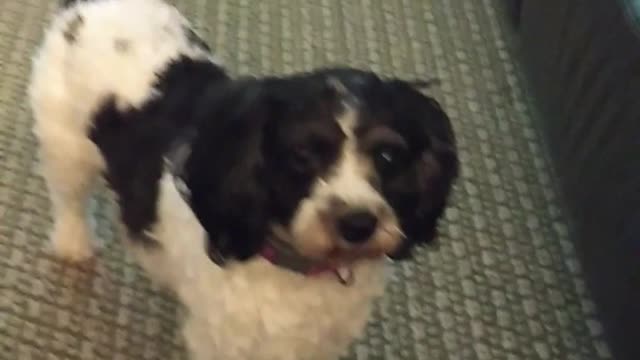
[583, 60]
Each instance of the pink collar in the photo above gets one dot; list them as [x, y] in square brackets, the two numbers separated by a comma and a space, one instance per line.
[283, 255]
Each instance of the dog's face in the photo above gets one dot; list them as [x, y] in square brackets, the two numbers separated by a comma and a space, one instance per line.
[342, 165]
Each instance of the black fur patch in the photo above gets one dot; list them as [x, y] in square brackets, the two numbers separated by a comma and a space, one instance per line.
[261, 145]
[73, 27]
[134, 142]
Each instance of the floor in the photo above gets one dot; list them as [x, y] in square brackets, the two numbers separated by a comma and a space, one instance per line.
[504, 284]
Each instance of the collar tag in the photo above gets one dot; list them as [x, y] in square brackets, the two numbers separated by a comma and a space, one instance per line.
[345, 275]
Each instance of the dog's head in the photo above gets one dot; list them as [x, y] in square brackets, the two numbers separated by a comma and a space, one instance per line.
[339, 163]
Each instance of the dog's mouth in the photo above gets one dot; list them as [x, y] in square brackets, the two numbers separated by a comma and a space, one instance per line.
[334, 255]
[338, 260]
[347, 256]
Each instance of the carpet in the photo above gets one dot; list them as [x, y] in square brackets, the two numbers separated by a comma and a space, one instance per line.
[504, 282]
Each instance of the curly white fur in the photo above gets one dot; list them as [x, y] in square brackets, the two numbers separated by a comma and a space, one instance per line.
[251, 310]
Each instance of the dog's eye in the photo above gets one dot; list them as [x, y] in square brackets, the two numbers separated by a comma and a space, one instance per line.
[306, 158]
[389, 159]
[311, 155]
[317, 149]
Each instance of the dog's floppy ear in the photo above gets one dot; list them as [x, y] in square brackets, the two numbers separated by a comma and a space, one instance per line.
[422, 120]
[224, 173]
[436, 171]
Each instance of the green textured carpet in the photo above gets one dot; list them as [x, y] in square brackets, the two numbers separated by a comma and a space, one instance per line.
[505, 283]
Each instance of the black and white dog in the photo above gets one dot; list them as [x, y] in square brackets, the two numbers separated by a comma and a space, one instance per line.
[268, 205]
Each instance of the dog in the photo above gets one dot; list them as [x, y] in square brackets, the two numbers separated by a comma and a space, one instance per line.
[269, 205]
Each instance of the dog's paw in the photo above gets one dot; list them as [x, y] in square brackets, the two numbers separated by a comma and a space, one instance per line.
[71, 240]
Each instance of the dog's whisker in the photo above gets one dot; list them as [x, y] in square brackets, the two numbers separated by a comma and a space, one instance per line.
[394, 230]
[150, 235]
[400, 232]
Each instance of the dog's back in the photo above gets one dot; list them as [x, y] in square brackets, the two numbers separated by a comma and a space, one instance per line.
[101, 47]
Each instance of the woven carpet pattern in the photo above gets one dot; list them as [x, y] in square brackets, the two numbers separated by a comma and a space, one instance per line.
[503, 284]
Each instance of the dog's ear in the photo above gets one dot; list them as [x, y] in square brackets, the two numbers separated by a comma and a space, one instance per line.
[427, 127]
[438, 168]
[225, 171]
[436, 171]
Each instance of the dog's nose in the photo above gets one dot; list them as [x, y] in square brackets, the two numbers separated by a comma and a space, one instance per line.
[357, 226]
